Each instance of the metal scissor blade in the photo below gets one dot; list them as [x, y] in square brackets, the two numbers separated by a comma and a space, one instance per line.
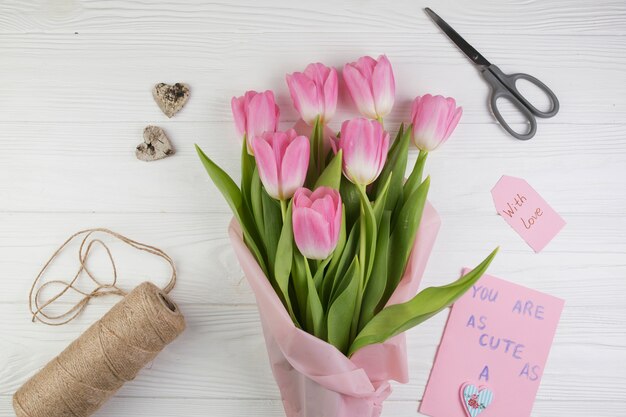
[467, 49]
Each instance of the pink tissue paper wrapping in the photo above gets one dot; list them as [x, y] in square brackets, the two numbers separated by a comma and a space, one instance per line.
[315, 379]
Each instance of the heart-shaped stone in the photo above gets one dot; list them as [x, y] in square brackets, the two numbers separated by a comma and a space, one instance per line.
[155, 145]
[475, 400]
[170, 98]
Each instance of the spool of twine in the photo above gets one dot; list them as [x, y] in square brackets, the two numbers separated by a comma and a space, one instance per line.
[112, 351]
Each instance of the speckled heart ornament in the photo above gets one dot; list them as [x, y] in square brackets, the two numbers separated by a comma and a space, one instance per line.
[170, 98]
[475, 400]
[155, 145]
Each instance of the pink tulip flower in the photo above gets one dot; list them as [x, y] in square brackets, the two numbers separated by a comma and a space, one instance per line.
[255, 113]
[371, 85]
[434, 119]
[365, 144]
[282, 159]
[316, 221]
[314, 92]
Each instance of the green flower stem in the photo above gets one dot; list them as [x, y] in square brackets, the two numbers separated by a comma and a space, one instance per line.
[318, 141]
[421, 163]
[283, 209]
[306, 316]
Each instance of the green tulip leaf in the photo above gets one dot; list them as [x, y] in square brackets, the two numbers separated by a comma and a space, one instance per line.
[376, 284]
[283, 261]
[338, 275]
[248, 164]
[331, 177]
[342, 309]
[351, 200]
[396, 141]
[398, 318]
[403, 236]
[300, 286]
[336, 256]
[256, 201]
[381, 200]
[232, 195]
[315, 165]
[318, 277]
[395, 168]
[224, 183]
[272, 223]
[315, 311]
[415, 179]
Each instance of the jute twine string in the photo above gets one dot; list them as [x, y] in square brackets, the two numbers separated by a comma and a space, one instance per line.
[37, 307]
[112, 351]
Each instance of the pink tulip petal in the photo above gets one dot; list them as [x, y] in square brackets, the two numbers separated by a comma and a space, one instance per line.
[311, 232]
[453, 122]
[317, 72]
[316, 221]
[360, 90]
[365, 65]
[266, 165]
[294, 167]
[383, 149]
[324, 205]
[279, 142]
[365, 145]
[434, 119]
[330, 94]
[304, 96]
[335, 214]
[237, 106]
[302, 197]
[261, 114]
[383, 86]
[314, 92]
[415, 106]
[336, 223]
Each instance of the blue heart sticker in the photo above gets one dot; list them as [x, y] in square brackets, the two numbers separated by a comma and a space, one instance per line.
[475, 399]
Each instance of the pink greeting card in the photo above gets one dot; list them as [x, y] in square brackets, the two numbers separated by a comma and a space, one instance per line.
[526, 211]
[493, 352]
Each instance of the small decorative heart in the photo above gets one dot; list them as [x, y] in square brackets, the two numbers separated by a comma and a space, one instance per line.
[170, 98]
[155, 145]
[475, 399]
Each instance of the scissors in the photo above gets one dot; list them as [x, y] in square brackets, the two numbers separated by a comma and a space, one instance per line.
[502, 85]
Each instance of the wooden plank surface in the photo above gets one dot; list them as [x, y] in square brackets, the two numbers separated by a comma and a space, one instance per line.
[585, 17]
[120, 89]
[75, 97]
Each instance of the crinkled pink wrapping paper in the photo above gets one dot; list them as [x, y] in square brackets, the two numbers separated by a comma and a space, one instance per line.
[315, 379]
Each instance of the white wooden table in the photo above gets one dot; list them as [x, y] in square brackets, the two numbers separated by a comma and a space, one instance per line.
[75, 96]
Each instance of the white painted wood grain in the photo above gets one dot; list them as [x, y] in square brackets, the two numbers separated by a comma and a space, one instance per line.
[586, 72]
[171, 407]
[222, 355]
[586, 17]
[75, 96]
[92, 167]
[209, 273]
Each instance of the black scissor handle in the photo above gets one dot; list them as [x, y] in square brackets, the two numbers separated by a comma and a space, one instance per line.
[498, 90]
[510, 80]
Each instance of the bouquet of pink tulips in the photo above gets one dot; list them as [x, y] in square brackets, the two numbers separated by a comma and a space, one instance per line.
[330, 219]
[334, 239]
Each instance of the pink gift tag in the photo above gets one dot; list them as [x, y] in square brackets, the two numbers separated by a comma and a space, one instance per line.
[526, 212]
[493, 352]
